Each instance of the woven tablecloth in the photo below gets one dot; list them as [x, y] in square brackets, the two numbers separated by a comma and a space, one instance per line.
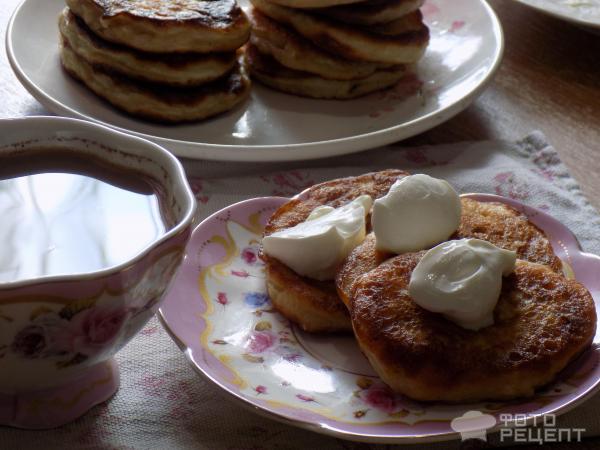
[164, 404]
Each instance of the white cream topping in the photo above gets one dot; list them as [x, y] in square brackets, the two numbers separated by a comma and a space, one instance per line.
[418, 211]
[462, 280]
[316, 247]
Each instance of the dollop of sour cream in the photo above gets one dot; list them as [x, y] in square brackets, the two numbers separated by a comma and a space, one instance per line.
[462, 280]
[314, 248]
[418, 211]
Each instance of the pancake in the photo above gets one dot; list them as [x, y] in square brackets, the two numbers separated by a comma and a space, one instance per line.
[296, 52]
[314, 305]
[373, 11]
[163, 26]
[348, 41]
[269, 72]
[408, 24]
[360, 261]
[542, 322]
[179, 69]
[315, 3]
[507, 228]
[157, 102]
[497, 223]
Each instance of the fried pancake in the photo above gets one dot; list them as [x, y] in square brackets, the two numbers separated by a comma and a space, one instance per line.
[163, 26]
[314, 3]
[411, 23]
[348, 41]
[542, 322]
[497, 223]
[269, 72]
[313, 305]
[158, 102]
[360, 261]
[507, 228]
[373, 11]
[296, 52]
[178, 69]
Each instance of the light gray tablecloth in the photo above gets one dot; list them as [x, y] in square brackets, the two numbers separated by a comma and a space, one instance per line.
[164, 404]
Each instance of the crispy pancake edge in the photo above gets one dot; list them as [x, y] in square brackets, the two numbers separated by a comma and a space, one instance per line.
[311, 304]
[528, 240]
[178, 69]
[520, 235]
[542, 322]
[296, 52]
[333, 193]
[283, 281]
[155, 102]
[373, 12]
[270, 72]
[221, 26]
[348, 41]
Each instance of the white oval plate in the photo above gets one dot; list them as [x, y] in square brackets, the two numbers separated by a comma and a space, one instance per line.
[465, 51]
[585, 13]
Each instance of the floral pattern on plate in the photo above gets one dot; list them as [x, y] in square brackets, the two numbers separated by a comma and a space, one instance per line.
[219, 313]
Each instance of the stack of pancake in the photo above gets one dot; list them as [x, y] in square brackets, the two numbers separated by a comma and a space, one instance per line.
[167, 61]
[542, 320]
[336, 49]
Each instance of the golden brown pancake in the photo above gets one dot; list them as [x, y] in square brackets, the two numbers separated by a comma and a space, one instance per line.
[494, 222]
[411, 23]
[372, 12]
[158, 102]
[268, 71]
[349, 41]
[360, 261]
[507, 228]
[314, 305]
[163, 26]
[296, 52]
[542, 322]
[314, 3]
[179, 69]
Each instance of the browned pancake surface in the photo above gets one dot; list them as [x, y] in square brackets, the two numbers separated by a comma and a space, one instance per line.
[351, 41]
[333, 193]
[175, 69]
[154, 101]
[174, 60]
[541, 322]
[364, 258]
[371, 12]
[212, 13]
[289, 290]
[166, 26]
[298, 53]
[494, 222]
[266, 69]
[507, 228]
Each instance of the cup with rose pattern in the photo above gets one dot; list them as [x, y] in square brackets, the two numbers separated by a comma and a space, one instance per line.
[59, 332]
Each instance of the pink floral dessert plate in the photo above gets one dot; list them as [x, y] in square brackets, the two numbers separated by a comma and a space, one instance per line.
[219, 313]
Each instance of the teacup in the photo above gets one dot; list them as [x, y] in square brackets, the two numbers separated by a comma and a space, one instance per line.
[59, 332]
